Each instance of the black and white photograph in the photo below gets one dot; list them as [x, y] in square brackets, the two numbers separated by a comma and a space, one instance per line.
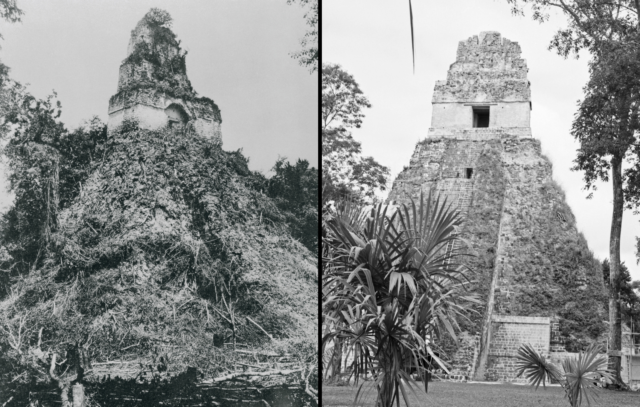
[159, 176]
[480, 203]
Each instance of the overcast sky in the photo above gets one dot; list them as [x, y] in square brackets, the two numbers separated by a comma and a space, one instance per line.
[371, 39]
[238, 56]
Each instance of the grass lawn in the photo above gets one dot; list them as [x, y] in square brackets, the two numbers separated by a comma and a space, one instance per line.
[445, 394]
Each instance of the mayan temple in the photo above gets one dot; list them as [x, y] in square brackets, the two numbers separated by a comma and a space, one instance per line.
[153, 86]
[539, 282]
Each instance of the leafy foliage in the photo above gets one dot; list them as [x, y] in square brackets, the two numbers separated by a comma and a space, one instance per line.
[309, 55]
[10, 12]
[608, 119]
[388, 284]
[47, 167]
[579, 376]
[345, 172]
[294, 189]
[342, 99]
[593, 25]
[162, 50]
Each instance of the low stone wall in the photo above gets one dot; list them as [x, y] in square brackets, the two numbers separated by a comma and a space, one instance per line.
[508, 334]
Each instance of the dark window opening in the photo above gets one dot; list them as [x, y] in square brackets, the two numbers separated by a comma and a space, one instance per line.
[176, 116]
[481, 116]
[469, 173]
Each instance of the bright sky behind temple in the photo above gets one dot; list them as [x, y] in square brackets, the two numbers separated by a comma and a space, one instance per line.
[371, 39]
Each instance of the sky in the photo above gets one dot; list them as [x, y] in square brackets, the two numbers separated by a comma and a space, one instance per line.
[238, 55]
[371, 39]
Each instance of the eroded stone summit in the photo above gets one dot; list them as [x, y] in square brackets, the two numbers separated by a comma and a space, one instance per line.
[488, 75]
[153, 86]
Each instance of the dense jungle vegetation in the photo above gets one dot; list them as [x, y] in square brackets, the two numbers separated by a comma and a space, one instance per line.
[157, 248]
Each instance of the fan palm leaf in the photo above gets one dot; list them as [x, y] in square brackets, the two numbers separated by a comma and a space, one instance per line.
[582, 372]
[388, 283]
[535, 368]
[579, 376]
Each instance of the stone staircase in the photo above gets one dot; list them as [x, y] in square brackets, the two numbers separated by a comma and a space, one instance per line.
[464, 194]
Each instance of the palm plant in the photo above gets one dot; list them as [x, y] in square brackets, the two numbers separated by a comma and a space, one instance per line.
[389, 282]
[579, 377]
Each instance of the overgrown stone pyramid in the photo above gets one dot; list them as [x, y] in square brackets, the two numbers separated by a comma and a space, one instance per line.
[530, 259]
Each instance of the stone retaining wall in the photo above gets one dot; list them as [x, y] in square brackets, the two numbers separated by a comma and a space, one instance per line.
[509, 333]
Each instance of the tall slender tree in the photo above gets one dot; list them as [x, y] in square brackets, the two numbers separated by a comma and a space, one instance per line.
[606, 126]
[607, 120]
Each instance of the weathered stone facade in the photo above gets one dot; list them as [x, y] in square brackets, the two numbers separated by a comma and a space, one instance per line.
[530, 260]
[488, 72]
[154, 89]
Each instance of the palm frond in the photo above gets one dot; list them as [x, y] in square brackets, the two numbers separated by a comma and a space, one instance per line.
[583, 372]
[388, 283]
[535, 368]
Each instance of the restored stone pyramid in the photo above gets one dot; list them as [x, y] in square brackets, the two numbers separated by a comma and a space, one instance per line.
[153, 86]
[534, 270]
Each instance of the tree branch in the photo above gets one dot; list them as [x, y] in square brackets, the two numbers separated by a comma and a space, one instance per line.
[249, 374]
[52, 368]
[256, 324]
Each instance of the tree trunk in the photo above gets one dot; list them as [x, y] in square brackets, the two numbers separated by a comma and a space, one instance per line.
[336, 360]
[77, 391]
[615, 323]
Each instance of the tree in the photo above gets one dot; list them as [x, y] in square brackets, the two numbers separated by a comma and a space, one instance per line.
[390, 291]
[607, 119]
[606, 126]
[345, 172]
[47, 166]
[309, 55]
[342, 99]
[294, 188]
[46, 169]
[592, 25]
[579, 376]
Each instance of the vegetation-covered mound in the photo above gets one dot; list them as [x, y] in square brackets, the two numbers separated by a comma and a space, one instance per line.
[168, 250]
